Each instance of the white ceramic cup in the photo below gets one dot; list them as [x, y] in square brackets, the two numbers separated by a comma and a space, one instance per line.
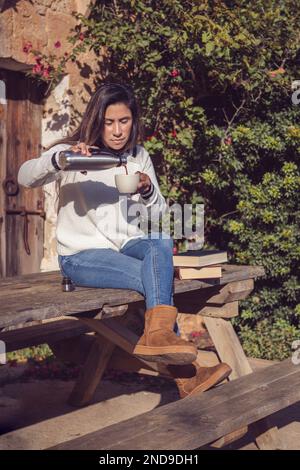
[127, 183]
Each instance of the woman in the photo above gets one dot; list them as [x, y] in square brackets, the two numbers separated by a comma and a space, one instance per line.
[98, 242]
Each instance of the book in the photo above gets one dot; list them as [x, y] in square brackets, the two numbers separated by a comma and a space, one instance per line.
[208, 272]
[199, 258]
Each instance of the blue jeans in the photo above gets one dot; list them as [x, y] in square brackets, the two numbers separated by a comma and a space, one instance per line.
[143, 264]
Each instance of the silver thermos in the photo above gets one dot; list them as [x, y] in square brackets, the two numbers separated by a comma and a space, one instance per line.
[100, 160]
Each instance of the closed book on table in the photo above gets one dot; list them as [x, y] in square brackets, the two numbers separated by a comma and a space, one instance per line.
[209, 272]
[199, 258]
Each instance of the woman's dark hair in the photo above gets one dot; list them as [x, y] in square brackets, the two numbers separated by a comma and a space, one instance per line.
[92, 124]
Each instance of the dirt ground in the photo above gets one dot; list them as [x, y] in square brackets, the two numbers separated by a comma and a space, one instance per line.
[35, 413]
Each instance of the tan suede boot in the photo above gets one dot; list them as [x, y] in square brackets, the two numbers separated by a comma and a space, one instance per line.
[192, 378]
[159, 343]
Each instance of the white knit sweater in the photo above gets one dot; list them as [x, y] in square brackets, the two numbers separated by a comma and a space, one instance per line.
[91, 211]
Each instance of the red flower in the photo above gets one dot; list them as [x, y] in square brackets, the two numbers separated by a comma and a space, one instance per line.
[27, 47]
[174, 134]
[46, 73]
[38, 68]
[37, 59]
[175, 250]
[57, 44]
[195, 334]
[228, 141]
[175, 73]
[81, 36]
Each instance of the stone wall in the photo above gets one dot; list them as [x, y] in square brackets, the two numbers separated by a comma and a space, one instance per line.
[43, 22]
[55, 125]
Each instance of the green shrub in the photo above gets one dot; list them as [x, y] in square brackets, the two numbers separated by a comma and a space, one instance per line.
[40, 352]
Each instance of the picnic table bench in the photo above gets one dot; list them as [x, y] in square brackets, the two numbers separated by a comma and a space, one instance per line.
[200, 419]
[32, 298]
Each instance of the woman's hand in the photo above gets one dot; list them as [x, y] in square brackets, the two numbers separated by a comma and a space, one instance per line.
[144, 183]
[83, 148]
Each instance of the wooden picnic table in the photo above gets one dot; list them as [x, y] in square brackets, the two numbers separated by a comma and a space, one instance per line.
[37, 297]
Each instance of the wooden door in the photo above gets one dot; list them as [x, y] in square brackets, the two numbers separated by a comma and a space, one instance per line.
[21, 209]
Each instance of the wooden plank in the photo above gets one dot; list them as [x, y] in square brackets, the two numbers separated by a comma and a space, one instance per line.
[230, 351]
[210, 359]
[233, 291]
[229, 438]
[113, 331]
[95, 363]
[228, 346]
[50, 332]
[92, 372]
[229, 310]
[24, 116]
[3, 157]
[267, 436]
[55, 303]
[198, 420]
[121, 360]
[207, 358]
[39, 296]
[193, 302]
[193, 307]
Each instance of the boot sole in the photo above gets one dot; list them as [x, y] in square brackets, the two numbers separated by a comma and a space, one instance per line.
[167, 354]
[213, 380]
